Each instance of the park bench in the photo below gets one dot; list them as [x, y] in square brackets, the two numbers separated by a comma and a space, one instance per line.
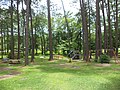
[14, 61]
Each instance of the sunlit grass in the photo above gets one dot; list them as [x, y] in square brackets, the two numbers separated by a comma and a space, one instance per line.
[61, 75]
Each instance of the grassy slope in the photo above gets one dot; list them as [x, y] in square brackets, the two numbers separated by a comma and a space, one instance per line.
[57, 76]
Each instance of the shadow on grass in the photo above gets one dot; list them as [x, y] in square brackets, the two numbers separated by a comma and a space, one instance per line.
[84, 70]
[88, 74]
[62, 66]
[113, 84]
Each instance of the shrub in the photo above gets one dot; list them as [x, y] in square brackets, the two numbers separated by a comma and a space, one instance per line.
[104, 58]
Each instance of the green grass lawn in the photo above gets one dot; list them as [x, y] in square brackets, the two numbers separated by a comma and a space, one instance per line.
[61, 75]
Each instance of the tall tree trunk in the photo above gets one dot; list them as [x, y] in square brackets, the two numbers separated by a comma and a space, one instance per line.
[110, 30]
[89, 35]
[116, 28]
[105, 30]
[82, 28]
[43, 42]
[100, 35]
[32, 38]
[12, 35]
[1, 43]
[4, 39]
[42, 46]
[27, 32]
[85, 30]
[30, 41]
[18, 57]
[98, 31]
[50, 31]
[35, 36]
[36, 39]
[7, 40]
[80, 45]
[23, 28]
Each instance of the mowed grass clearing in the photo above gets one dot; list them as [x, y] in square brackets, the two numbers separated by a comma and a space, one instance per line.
[61, 75]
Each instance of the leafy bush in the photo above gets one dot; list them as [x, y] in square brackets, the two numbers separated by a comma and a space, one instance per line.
[104, 58]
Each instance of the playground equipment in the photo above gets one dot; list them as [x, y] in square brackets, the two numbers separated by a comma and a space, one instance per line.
[74, 55]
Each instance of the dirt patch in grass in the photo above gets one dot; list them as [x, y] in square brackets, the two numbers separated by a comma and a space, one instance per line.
[4, 69]
[75, 67]
[66, 65]
[10, 75]
[116, 69]
[103, 65]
